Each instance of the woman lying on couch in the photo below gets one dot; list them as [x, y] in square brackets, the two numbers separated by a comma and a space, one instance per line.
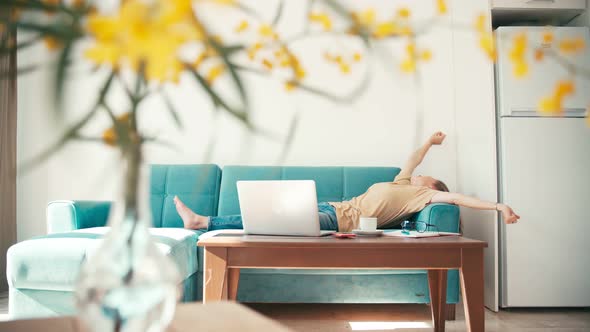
[391, 202]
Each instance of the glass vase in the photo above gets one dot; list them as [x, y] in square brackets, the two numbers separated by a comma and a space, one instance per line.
[127, 284]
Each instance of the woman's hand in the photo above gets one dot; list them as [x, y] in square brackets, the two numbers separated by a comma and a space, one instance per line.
[437, 138]
[509, 216]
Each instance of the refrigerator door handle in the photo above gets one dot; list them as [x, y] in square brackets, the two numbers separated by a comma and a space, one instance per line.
[571, 112]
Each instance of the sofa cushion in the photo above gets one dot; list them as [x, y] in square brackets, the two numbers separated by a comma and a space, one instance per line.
[52, 262]
[333, 184]
[196, 185]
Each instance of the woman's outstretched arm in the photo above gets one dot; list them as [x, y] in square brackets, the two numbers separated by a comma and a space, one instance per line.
[458, 199]
[418, 155]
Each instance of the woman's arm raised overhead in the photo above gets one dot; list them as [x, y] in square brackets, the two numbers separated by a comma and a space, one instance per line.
[458, 199]
[418, 155]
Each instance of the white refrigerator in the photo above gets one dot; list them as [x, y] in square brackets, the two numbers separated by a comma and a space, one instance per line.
[544, 174]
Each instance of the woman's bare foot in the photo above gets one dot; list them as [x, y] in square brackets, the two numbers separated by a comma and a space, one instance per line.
[190, 219]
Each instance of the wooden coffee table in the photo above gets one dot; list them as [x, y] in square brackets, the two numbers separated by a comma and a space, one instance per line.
[225, 255]
[215, 317]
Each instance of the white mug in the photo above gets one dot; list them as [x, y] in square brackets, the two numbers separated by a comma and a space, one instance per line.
[368, 224]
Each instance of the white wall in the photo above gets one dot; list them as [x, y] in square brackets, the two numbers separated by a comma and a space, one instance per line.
[476, 141]
[377, 129]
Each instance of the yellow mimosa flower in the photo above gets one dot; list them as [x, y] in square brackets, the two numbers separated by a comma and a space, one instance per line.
[404, 12]
[253, 50]
[321, 18]
[386, 29]
[517, 55]
[357, 57]
[266, 63]
[411, 49]
[226, 2]
[539, 54]
[366, 18]
[564, 88]
[105, 53]
[554, 103]
[520, 69]
[52, 43]
[486, 42]
[214, 73]
[549, 105]
[426, 55]
[408, 65]
[266, 31]
[480, 23]
[572, 45]
[548, 37]
[148, 33]
[299, 72]
[199, 60]
[344, 68]
[285, 63]
[109, 136]
[441, 6]
[290, 85]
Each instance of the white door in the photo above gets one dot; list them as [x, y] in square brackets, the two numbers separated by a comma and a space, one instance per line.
[545, 177]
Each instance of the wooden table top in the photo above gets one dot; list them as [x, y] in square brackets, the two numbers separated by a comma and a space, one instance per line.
[254, 241]
[214, 317]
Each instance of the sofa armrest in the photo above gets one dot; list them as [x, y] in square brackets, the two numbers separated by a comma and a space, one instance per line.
[444, 216]
[65, 216]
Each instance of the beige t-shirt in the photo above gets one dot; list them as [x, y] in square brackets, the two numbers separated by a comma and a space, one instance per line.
[390, 202]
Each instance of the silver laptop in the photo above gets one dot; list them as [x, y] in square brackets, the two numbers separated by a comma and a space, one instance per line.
[287, 207]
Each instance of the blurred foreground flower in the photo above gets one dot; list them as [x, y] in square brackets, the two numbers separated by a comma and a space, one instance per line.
[554, 103]
[517, 55]
[486, 37]
[148, 33]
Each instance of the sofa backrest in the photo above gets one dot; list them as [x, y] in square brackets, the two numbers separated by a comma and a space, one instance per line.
[333, 184]
[196, 185]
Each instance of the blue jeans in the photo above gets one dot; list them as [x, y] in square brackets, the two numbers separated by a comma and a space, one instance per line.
[326, 212]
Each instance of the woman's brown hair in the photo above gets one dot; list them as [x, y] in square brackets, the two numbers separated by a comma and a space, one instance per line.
[440, 186]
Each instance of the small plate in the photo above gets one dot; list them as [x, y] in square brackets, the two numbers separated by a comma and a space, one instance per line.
[377, 232]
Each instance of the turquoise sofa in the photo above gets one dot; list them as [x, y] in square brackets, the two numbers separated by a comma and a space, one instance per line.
[42, 271]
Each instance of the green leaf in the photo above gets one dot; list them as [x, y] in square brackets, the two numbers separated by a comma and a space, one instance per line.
[232, 69]
[19, 71]
[172, 110]
[70, 133]
[289, 139]
[60, 74]
[341, 10]
[57, 30]
[231, 49]
[29, 5]
[248, 11]
[217, 100]
[278, 14]
[21, 45]
[335, 98]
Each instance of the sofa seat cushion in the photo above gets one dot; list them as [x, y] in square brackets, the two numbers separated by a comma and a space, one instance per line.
[52, 262]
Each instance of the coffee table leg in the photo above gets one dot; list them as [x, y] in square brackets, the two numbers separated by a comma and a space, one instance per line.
[437, 283]
[215, 274]
[233, 280]
[472, 288]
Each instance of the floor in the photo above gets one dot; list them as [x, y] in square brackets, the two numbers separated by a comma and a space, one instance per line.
[406, 317]
[414, 318]
[3, 306]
